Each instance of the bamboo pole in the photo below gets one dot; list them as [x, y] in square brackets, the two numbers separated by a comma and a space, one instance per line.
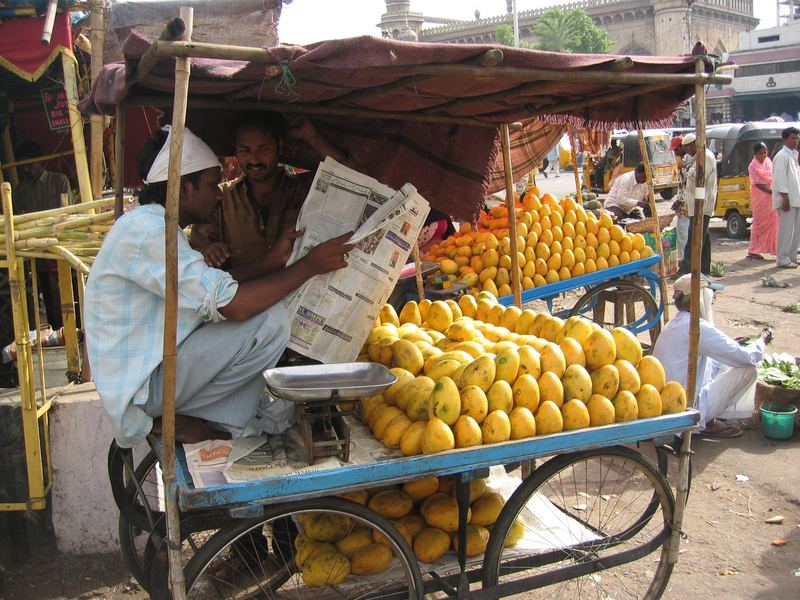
[418, 271]
[662, 269]
[574, 159]
[119, 160]
[263, 55]
[49, 21]
[173, 31]
[67, 296]
[516, 287]
[76, 127]
[182, 72]
[27, 161]
[74, 262]
[64, 210]
[694, 315]
[8, 152]
[30, 424]
[97, 37]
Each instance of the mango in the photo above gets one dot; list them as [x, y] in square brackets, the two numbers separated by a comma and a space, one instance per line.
[552, 359]
[480, 372]
[573, 352]
[393, 432]
[515, 533]
[628, 376]
[628, 347]
[371, 560]
[419, 489]
[578, 328]
[467, 432]
[358, 496]
[605, 381]
[651, 371]
[477, 487]
[445, 401]
[423, 507]
[412, 523]
[524, 321]
[551, 328]
[312, 547]
[387, 331]
[525, 392]
[443, 513]
[415, 397]
[389, 315]
[575, 415]
[471, 347]
[468, 305]
[403, 377]
[551, 389]
[625, 407]
[411, 440]
[477, 538]
[600, 349]
[326, 527]
[461, 331]
[430, 544]
[454, 308]
[648, 402]
[384, 417]
[529, 362]
[601, 411]
[506, 365]
[523, 423]
[673, 398]
[357, 539]
[548, 418]
[325, 569]
[486, 509]
[474, 403]
[440, 316]
[577, 383]
[391, 504]
[496, 427]
[424, 306]
[437, 437]
[407, 356]
[500, 396]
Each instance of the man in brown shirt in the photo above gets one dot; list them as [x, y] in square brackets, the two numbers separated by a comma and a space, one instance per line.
[39, 190]
[253, 230]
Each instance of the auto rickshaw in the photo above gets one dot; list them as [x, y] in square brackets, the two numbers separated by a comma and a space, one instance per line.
[624, 155]
[733, 144]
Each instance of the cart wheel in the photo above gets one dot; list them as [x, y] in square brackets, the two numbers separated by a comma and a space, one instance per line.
[736, 225]
[256, 558]
[589, 516]
[633, 307]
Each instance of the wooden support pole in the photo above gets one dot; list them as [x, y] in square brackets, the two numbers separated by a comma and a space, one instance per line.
[76, 127]
[97, 36]
[574, 159]
[694, 315]
[27, 161]
[8, 153]
[662, 269]
[516, 286]
[418, 271]
[119, 160]
[170, 355]
[30, 423]
[66, 294]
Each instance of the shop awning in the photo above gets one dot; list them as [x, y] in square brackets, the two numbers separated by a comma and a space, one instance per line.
[21, 51]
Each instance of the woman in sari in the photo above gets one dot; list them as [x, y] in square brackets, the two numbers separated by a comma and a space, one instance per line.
[764, 230]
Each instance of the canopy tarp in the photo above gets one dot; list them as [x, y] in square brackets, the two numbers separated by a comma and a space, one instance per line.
[418, 112]
[21, 50]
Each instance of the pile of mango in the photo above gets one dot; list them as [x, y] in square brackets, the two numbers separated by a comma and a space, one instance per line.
[474, 372]
[424, 511]
[556, 240]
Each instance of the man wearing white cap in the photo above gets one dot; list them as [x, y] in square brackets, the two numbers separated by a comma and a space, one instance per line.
[726, 371]
[228, 332]
[709, 204]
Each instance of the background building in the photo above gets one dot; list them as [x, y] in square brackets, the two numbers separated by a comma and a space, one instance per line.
[637, 26]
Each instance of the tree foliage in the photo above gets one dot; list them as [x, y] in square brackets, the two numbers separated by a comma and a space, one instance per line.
[504, 34]
[558, 30]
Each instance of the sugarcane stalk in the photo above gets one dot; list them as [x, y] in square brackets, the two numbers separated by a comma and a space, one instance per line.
[73, 260]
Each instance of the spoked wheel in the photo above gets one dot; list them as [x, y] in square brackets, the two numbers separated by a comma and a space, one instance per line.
[257, 558]
[621, 303]
[587, 518]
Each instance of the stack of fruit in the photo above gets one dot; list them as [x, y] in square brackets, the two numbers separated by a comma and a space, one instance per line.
[423, 511]
[555, 241]
[476, 372]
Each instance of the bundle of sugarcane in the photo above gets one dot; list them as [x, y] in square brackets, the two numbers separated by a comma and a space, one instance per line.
[73, 233]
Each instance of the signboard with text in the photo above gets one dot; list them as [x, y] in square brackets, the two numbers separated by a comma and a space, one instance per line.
[56, 108]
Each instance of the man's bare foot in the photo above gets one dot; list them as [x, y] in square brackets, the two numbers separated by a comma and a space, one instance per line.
[191, 430]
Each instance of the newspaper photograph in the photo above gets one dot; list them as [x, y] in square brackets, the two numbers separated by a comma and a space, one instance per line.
[332, 314]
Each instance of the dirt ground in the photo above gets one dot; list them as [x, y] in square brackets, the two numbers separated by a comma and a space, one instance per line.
[729, 550]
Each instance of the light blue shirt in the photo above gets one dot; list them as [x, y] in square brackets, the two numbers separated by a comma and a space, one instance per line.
[124, 313]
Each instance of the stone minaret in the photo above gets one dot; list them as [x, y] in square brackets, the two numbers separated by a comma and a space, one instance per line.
[673, 21]
[398, 17]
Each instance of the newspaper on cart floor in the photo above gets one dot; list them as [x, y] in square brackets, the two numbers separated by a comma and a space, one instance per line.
[332, 314]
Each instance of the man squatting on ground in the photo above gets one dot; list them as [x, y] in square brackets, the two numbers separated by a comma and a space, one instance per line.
[228, 332]
[726, 371]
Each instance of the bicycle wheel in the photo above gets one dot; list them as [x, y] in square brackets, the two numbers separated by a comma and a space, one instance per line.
[587, 517]
[256, 558]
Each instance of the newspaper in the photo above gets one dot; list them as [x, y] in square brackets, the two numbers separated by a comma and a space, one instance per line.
[332, 314]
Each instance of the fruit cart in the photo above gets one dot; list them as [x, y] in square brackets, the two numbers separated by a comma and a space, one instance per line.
[587, 515]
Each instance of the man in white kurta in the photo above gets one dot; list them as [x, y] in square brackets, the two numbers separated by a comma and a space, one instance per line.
[628, 196]
[726, 371]
[709, 200]
[786, 198]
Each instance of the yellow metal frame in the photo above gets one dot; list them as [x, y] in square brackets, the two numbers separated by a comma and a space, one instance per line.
[37, 444]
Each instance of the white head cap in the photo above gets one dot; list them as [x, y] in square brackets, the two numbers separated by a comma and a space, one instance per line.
[196, 156]
[683, 285]
[689, 138]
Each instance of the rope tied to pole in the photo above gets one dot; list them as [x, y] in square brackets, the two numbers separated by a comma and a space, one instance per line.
[286, 83]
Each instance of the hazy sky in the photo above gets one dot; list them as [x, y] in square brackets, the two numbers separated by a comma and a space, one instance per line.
[306, 21]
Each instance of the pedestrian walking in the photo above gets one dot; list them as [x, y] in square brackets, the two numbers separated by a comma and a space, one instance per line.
[786, 198]
[764, 229]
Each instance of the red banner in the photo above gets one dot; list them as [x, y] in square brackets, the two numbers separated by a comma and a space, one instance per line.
[21, 50]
